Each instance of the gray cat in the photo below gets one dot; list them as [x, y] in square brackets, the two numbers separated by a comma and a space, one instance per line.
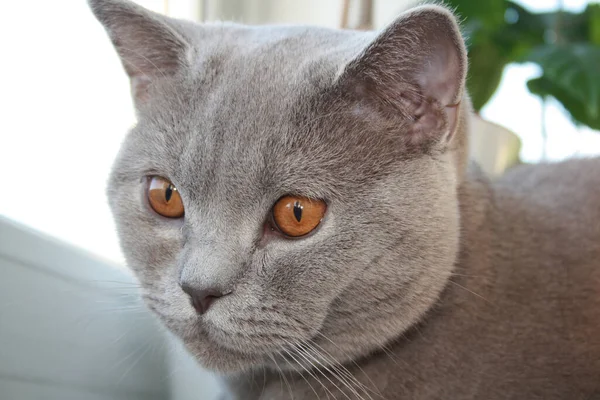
[298, 206]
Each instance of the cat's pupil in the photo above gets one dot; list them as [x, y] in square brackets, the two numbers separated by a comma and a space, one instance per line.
[169, 193]
[297, 211]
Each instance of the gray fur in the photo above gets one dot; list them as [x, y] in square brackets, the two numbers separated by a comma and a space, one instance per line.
[424, 280]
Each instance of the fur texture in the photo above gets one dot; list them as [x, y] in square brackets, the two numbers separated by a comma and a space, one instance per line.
[423, 281]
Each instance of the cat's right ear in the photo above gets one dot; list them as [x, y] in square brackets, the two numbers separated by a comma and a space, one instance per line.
[412, 74]
[151, 46]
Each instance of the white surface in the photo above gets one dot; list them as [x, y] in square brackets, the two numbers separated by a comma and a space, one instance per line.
[493, 146]
[313, 12]
[72, 327]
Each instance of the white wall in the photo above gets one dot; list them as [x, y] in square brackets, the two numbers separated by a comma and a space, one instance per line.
[314, 12]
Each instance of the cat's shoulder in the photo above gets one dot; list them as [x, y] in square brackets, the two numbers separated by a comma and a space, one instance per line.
[573, 183]
[579, 171]
[550, 209]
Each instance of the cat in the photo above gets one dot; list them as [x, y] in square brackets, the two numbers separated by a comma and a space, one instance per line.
[298, 205]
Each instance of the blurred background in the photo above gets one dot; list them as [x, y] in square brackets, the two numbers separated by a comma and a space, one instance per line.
[71, 326]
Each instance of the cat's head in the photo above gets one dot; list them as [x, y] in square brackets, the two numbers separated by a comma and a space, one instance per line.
[317, 171]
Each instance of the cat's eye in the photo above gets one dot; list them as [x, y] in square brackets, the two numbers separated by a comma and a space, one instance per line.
[164, 198]
[297, 216]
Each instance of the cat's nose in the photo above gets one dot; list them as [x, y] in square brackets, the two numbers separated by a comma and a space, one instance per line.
[202, 299]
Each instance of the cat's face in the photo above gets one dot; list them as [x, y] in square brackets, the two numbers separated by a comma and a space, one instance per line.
[238, 118]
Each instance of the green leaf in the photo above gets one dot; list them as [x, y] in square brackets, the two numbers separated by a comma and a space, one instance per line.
[566, 45]
[492, 47]
[485, 73]
[593, 15]
[566, 26]
[544, 87]
[522, 32]
[574, 70]
[489, 12]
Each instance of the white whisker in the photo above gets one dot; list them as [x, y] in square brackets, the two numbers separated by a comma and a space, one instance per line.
[304, 354]
[301, 366]
[470, 291]
[282, 375]
[334, 371]
[294, 348]
[349, 375]
[353, 361]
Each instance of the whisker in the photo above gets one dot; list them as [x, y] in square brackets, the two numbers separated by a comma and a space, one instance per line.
[121, 283]
[122, 309]
[131, 354]
[346, 372]
[302, 352]
[136, 362]
[302, 375]
[253, 382]
[389, 354]
[467, 276]
[470, 291]
[349, 383]
[385, 350]
[311, 374]
[282, 375]
[264, 382]
[350, 358]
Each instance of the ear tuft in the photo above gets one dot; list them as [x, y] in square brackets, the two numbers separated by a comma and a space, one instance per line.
[414, 69]
[149, 44]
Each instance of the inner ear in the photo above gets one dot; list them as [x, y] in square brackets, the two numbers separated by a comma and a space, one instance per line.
[413, 70]
[443, 69]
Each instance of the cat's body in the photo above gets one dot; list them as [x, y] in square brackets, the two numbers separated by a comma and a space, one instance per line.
[521, 319]
[472, 289]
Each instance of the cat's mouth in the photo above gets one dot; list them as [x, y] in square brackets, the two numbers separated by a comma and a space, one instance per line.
[257, 339]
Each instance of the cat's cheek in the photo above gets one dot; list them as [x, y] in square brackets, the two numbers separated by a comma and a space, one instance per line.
[156, 252]
[157, 240]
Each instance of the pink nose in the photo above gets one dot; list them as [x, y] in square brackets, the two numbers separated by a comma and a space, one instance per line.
[201, 299]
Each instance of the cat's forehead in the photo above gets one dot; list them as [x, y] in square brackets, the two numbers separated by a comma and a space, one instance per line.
[253, 93]
[237, 70]
[268, 68]
[279, 54]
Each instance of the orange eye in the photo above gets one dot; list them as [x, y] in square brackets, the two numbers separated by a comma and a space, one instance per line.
[298, 216]
[164, 198]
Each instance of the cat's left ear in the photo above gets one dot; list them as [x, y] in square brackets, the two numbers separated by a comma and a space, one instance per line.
[414, 73]
[151, 46]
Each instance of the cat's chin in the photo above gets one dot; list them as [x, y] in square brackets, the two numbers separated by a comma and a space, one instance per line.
[225, 357]
[226, 361]
[221, 359]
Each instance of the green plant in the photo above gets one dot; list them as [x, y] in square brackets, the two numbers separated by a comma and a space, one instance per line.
[565, 45]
